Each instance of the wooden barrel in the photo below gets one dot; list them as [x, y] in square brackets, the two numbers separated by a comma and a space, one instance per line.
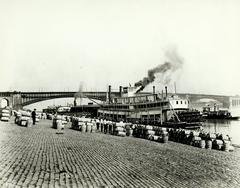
[94, 127]
[60, 126]
[195, 133]
[24, 118]
[164, 138]
[5, 111]
[209, 144]
[89, 127]
[129, 132]
[164, 132]
[202, 144]
[29, 123]
[149, 127]
[212, 136]
[196, 138]
[155, 138]
[4, 118]
[225, 137]
[5, 115]
[121, 124]
[226, 145]
[58, 117]
[121, 133]
[163, 128]
[18, 114]
[196, 143]
[217, 144]
[23, 123]
[231, 148]
[149, 137]
[64, 122]
[119, 129]
[150, 132]
[83, 128]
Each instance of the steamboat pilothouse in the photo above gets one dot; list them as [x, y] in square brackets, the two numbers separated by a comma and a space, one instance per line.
[145, 108]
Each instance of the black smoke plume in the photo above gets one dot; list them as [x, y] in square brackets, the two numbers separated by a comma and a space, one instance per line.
[173, 63]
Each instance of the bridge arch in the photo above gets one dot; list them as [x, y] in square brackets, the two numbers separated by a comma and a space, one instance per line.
[32, 101]
[4, 102]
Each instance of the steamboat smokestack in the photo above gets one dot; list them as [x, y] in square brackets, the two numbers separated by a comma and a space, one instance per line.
[120, 91]
[175, 87]
[153, 89]
[166, 91]
[109, 93]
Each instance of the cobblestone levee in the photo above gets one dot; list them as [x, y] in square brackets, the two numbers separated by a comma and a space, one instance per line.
[38, 157]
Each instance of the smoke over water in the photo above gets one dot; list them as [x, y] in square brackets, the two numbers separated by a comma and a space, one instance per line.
[173, 62]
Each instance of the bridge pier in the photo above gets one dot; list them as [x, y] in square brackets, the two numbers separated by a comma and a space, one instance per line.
[14, 101]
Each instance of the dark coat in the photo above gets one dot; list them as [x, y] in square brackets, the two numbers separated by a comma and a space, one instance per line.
[33, 114]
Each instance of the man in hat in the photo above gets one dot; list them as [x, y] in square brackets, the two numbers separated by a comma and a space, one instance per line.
[34, 116]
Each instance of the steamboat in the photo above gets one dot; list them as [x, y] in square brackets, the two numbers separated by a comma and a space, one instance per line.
[217, 113]
[150, 108]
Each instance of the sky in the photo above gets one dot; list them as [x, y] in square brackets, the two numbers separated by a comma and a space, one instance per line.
[54, 45]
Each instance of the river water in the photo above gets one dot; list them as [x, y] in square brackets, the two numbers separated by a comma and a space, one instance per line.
[227, 127]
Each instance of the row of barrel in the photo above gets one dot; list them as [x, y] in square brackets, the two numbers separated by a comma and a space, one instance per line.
[201, 139]
[84, 124]
[154, 133]
[5, 114]
[120, 129]
[107, 127]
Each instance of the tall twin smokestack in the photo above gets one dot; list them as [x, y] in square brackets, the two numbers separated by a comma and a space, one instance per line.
[174, 63]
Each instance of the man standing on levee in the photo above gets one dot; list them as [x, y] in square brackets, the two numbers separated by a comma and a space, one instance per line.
[34, 116]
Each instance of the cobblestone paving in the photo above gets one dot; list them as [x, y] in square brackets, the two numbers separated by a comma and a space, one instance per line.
[38, 157]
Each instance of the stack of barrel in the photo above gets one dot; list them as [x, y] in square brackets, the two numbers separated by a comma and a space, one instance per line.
[163, 137]
[119, 129]
[18, 117]
[149, 133]
[222, 143]
[201, 139]
[5, 115]
[84, 124]
[138, 131]
[195, 139]
[110, 126]
[88, 126]
[64, 120]
[129, 129]
[209, 141]
[198, 142]
[75, 123]
[94, 126]
[68, 118]
[37, 117]
[227, 146]
[58, 122]
[23, 118]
